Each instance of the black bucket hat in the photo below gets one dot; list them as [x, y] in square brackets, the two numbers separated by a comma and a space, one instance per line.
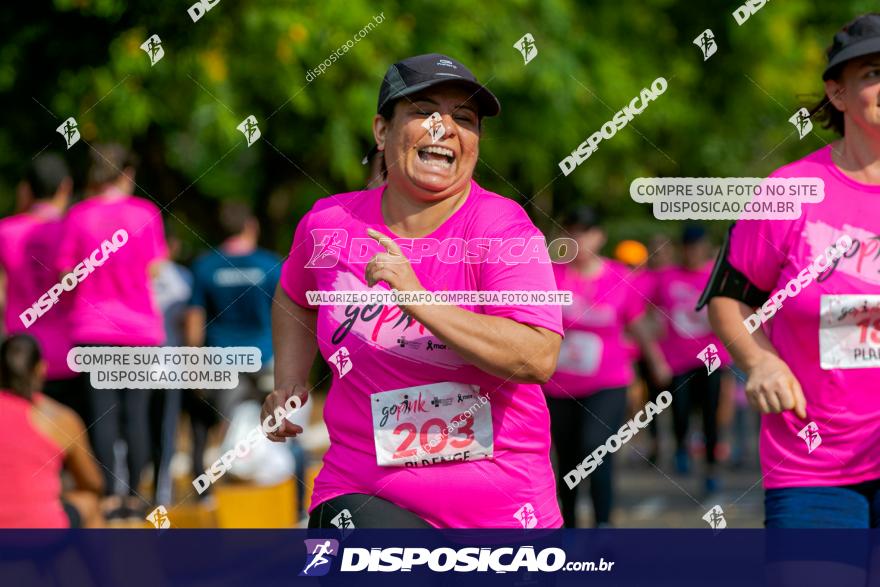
[856, 39]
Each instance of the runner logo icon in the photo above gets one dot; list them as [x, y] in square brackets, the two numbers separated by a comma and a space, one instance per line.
[249, 129]
[706, 42]
[70, 131]
[159, 518]
[343, 520]
[810, 434]
[526, 516]
[320, 554]
[153, 48]
[715, 518]
[434, 125]
[801, 121]
[342, 360]
[526, 46]
[710, 358]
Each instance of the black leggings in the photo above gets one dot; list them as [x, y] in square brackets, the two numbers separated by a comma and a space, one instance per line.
[694, 386]
[578, 427]
[363, 511]
[114, 414]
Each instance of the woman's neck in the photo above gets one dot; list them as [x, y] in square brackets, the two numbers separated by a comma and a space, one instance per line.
[410, 218]
[858, 155]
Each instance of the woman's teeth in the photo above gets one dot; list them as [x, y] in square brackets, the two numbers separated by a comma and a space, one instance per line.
[436, 156]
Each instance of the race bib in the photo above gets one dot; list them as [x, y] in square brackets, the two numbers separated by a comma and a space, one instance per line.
[430, 424]
[849, 331]
[581, 353]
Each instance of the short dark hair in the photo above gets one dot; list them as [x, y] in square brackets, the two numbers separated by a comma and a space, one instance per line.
[19, 356]
[233, 217]
[583, 217]
[824, 112]
[45, 174]
[108, 161]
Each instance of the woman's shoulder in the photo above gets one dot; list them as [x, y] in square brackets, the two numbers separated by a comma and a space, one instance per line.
[812, 165]
[498, 214]
[337, 208]
[55, 420]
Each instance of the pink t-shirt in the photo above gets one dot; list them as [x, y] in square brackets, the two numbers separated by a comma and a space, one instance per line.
[844, 402]
[30, 494]
[684, 332]
[30, 246]
[595, 354]
[114, 304]
[388, 352]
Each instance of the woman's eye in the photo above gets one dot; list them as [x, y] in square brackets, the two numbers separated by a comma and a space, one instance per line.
[873, 73]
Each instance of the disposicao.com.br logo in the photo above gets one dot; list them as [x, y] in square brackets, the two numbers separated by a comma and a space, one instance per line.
[443, 559]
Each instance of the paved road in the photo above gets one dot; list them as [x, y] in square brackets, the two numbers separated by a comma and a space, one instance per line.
[651, 496]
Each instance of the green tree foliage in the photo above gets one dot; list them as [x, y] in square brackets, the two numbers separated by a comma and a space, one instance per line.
[726, 116]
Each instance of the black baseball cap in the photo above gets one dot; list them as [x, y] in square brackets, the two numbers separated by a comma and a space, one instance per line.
[415, 74]
[418, 73]
[856, 39]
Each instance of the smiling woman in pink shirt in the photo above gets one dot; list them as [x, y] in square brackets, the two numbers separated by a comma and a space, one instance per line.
[814, 367]
[435, 413]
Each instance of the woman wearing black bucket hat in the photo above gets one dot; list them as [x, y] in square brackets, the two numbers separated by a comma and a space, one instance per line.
[435, 413]
[814, 368]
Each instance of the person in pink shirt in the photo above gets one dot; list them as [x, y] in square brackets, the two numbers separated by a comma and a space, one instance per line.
[813, 359]
[38, 438]
[435, 412]
[27, 257]
[688, 343]
[122, 238]
[587, 394]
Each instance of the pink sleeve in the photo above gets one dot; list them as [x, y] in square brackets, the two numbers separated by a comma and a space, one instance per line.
[633, 297]
[758, 249]
[159, 245]
[534, 275]
[296, 278]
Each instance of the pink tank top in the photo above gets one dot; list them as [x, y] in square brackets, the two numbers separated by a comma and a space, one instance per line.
[30, 493]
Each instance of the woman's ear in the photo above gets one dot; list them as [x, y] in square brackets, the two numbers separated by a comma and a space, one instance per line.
[380, 129]
[835, 92]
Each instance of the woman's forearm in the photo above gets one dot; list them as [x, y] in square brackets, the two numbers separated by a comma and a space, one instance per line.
[726, 316]
[499, 346]
[294, 341]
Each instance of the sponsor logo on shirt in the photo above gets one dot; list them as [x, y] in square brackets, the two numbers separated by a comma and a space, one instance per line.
[861, 260]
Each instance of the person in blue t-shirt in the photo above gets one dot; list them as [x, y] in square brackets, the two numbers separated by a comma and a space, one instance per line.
[231, 305]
